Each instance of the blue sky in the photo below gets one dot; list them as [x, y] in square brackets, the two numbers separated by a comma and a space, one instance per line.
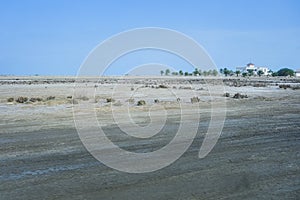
[54, 37]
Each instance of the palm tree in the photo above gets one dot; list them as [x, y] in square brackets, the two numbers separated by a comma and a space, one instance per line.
[214, 72]
[221, 71]
[250, 72]
[200, 72]
[161, 72]
[180, 72]
[238, 72]
[167, 72]
[260, 72]
[196, 72]
[209, 73]
[226, 71]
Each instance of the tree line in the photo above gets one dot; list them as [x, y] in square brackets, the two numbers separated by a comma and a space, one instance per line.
[250, 72]
[196, 72]
[227, 72]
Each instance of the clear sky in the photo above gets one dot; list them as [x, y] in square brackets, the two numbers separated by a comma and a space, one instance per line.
[53, 37]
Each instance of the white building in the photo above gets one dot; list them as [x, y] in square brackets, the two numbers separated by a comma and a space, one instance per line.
[252, 67]
[297, 73]
[265, 70]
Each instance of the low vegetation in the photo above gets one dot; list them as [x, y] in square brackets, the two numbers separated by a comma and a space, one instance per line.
[239, 96]
[141, 103]
[226, 94]
[284, 86]
[195, 99]
[50, 98]
[21, 99]
[11, 99]
[110, 100]
[196, 72]
[33, 99]
[284, 72]
[227, 72]
[162, 86]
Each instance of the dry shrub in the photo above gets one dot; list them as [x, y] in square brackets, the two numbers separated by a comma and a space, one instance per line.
[11, 99]
[110, 100]
[162, 86]
[50, 98]
[195, 99]
[22, 99]
[226, 94]
[284, 86]
[141, 103]
[239, 96]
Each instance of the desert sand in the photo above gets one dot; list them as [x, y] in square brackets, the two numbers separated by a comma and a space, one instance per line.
[256, 157]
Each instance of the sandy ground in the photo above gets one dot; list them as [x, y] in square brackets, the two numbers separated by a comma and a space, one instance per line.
[256, 157]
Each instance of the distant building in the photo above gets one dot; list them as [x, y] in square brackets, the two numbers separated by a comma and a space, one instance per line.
[252, 67]
[297, 73]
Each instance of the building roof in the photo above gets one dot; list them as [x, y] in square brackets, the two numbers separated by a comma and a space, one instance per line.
[250, 64]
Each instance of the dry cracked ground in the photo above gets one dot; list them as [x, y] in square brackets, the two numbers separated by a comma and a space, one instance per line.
[256, 157]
